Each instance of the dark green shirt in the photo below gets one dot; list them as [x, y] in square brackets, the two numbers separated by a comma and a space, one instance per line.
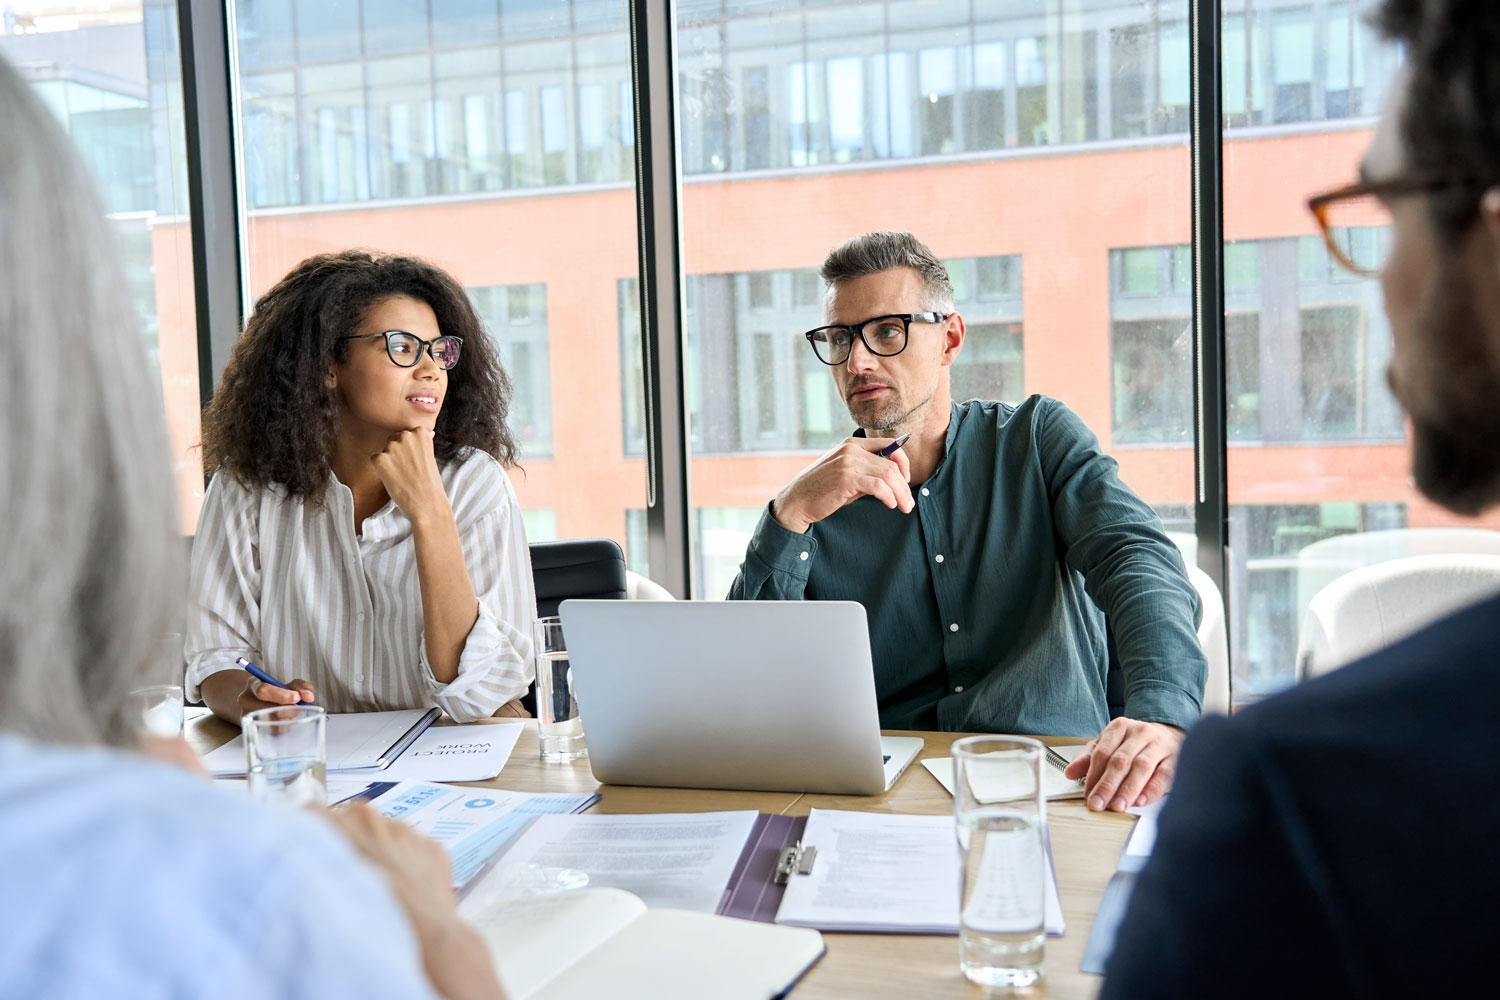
[985, 602]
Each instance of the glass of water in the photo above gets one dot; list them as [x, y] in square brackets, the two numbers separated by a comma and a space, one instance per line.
[158, 710]
[558, 725]
[286, 755]
[1000, 804]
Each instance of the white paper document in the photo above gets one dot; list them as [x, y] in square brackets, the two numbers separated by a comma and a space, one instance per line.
[354, 741]
[884, 873]
[471, 823]
[456, 753]
[1143, 837]
[677, 860]
[1058, 787]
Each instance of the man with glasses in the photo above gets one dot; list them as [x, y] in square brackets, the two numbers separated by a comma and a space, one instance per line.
[1338, 840]
[993, 546]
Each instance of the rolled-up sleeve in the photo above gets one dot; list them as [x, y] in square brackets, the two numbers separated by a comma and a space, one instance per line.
[495, 666]
[223, 615]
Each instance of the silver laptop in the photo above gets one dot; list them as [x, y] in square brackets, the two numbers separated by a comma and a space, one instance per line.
[759, 695]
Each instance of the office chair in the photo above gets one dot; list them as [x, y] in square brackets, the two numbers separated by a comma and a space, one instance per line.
[1374, 606]
[577, 567]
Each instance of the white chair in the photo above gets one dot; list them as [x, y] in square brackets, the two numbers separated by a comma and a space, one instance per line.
[1321, 563]
[641, 588]
[1374, 606]
[1213, 636]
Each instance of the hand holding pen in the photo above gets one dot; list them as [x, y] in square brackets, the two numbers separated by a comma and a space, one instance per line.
[269, 691]
[858, 467]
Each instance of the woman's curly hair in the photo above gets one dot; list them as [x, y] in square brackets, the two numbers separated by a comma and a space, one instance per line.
[274, 418]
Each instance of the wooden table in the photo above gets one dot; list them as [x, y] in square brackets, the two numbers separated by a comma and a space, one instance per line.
[1086, 848]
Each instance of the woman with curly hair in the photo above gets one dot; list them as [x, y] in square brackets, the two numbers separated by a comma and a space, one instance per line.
[360, 533]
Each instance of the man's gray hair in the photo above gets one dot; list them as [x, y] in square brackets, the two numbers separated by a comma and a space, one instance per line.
[872, 253]
[91, 572]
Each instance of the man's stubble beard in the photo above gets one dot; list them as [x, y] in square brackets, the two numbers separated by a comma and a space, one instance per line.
[891, 417]
[1450, 386]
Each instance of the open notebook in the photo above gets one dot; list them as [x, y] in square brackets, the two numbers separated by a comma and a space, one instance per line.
[591, 943]
[356, 741]
[1058, 786]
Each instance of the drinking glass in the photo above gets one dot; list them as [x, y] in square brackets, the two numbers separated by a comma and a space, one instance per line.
[286, 755]
[157, 710]
[999, 802]
[558, 726]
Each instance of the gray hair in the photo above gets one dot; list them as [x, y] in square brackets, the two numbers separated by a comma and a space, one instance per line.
[92, 567]
[872, 253]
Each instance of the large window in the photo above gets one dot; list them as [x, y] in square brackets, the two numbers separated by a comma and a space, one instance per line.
[429, 128]
[113, 79]
[965, 97]
[1318, 448]
[1038, 146]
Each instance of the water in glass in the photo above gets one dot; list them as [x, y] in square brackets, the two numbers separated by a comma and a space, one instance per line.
[297, 781]
[558, 725]
[1002, 921]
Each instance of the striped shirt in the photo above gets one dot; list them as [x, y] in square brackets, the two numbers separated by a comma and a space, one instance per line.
[289, 586]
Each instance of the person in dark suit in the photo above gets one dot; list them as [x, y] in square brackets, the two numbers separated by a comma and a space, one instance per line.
[1337, 840]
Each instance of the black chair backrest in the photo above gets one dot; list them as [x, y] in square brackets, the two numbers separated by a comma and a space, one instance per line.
[578, 567]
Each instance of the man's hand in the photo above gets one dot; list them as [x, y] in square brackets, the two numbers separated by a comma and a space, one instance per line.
[848, 472]
[1129, 764]
[408, 468]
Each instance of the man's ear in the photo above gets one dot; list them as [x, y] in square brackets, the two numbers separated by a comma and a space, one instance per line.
[953, 337]
[332, 381]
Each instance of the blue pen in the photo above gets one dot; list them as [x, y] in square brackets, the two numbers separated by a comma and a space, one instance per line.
[890, 449]
[261, 675]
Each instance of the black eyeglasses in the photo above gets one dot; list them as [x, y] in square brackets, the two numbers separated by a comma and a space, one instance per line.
[405, 349]
[887, 337]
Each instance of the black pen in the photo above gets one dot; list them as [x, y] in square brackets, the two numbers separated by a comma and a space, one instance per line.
[890, 449]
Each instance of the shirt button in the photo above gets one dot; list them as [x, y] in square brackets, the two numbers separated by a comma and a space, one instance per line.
[953, 627]
[938, 557]
[959, 689]
[803, 557]
[361, 616]
[924, 491]
[359, 678]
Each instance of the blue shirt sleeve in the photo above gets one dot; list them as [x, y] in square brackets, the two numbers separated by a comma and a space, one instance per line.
[336, 926]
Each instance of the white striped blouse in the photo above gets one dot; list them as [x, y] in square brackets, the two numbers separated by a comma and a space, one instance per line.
[289, 586]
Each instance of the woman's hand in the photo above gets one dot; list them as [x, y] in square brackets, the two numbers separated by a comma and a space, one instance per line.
[230, 694]
[419, 874]
[408, 468]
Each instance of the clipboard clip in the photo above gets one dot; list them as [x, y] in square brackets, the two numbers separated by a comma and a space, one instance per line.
[794, 860]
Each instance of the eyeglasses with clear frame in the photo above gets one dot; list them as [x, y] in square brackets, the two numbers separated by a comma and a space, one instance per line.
[405, 349]
[887, 338]
[1346, 212]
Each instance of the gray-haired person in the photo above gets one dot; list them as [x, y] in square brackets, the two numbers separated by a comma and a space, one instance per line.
[127, 876]
[988, 549]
